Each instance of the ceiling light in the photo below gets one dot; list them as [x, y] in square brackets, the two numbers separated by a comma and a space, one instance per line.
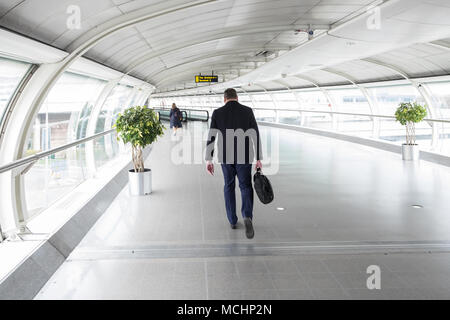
[281, 209]
[417, 206]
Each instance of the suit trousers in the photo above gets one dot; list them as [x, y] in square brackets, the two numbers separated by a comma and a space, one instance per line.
[244, 174]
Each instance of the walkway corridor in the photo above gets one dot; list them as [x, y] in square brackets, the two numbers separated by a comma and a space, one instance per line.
[346, 207]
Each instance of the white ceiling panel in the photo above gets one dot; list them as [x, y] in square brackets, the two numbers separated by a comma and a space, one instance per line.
[325, 78]
[226, 36]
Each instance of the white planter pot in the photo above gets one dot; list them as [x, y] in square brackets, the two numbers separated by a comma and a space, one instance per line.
[410, 152]
[140, 183]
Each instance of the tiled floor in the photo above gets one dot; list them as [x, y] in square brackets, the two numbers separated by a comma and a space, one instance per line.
[293, 277]
[347, 207]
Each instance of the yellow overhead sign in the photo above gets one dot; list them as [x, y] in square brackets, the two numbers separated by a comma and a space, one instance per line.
[201, 78]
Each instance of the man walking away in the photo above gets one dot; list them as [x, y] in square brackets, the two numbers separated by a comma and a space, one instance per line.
[238, 143]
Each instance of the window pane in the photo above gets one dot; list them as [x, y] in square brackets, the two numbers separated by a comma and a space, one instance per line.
[245, 99]
[64, 114]
[285, 96]
[289, 117]
[389, 98]
[105, 148]
[114, 104]
[440, 92]
[350, 100]
[317, 120]
[355, 125]
[313, 100]
[11, 73]
[55, 176]
[265, 115]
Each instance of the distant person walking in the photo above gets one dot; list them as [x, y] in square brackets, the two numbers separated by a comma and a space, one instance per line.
[236, 131]
[175, 119]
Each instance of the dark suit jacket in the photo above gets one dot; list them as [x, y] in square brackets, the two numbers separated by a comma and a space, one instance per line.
[234, 145]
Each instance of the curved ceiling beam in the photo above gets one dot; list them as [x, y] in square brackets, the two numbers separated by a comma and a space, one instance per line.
[307, 79]
[193, 67]
[370, 101]
[217, 53]
[284, 84]
[47, 75]
[388, 66]
[429, 102]
[186, 76]
[440, 45]
[276, 28]
[143, 47]
[258, 85]
[232, 63]
[129, 19]
[341, 74]
[219, 68]
[231, 32]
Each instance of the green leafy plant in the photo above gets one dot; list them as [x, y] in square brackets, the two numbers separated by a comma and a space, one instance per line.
[139, 126]
[408, 114]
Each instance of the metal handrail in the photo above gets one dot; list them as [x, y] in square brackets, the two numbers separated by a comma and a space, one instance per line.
[342, 113]
[184, 117]
[37, 156]
[186, 109]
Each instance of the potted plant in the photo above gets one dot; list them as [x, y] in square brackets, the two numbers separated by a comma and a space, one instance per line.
[408, 114]
[140, 127]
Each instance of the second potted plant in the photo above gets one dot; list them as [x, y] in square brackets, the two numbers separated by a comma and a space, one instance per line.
[139, 126]
[408, 114]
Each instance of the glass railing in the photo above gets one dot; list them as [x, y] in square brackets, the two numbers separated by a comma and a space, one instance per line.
[380, 127]
[50, 175]
[373, 126]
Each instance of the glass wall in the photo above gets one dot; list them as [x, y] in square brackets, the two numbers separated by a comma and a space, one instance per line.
[119, 99]
[64, 114]
[286, 100]
[263, 101]
[11, 73]
[440, 93]
[289, 117]
[349, 100]
[352, 100]
[317, 109]
[243, 98]
[313, 100]
[57, 175]
[388, 99]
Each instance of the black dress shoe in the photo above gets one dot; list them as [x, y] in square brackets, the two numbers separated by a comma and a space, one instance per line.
[233, 226]
[249, 232]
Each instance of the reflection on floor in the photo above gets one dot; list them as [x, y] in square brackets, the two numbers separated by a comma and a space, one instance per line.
[347, 207]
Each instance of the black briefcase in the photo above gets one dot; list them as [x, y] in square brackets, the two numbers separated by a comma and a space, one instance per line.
[263, 187]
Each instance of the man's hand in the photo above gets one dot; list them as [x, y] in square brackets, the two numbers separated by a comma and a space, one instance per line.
[258, 165]
[210, 167]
